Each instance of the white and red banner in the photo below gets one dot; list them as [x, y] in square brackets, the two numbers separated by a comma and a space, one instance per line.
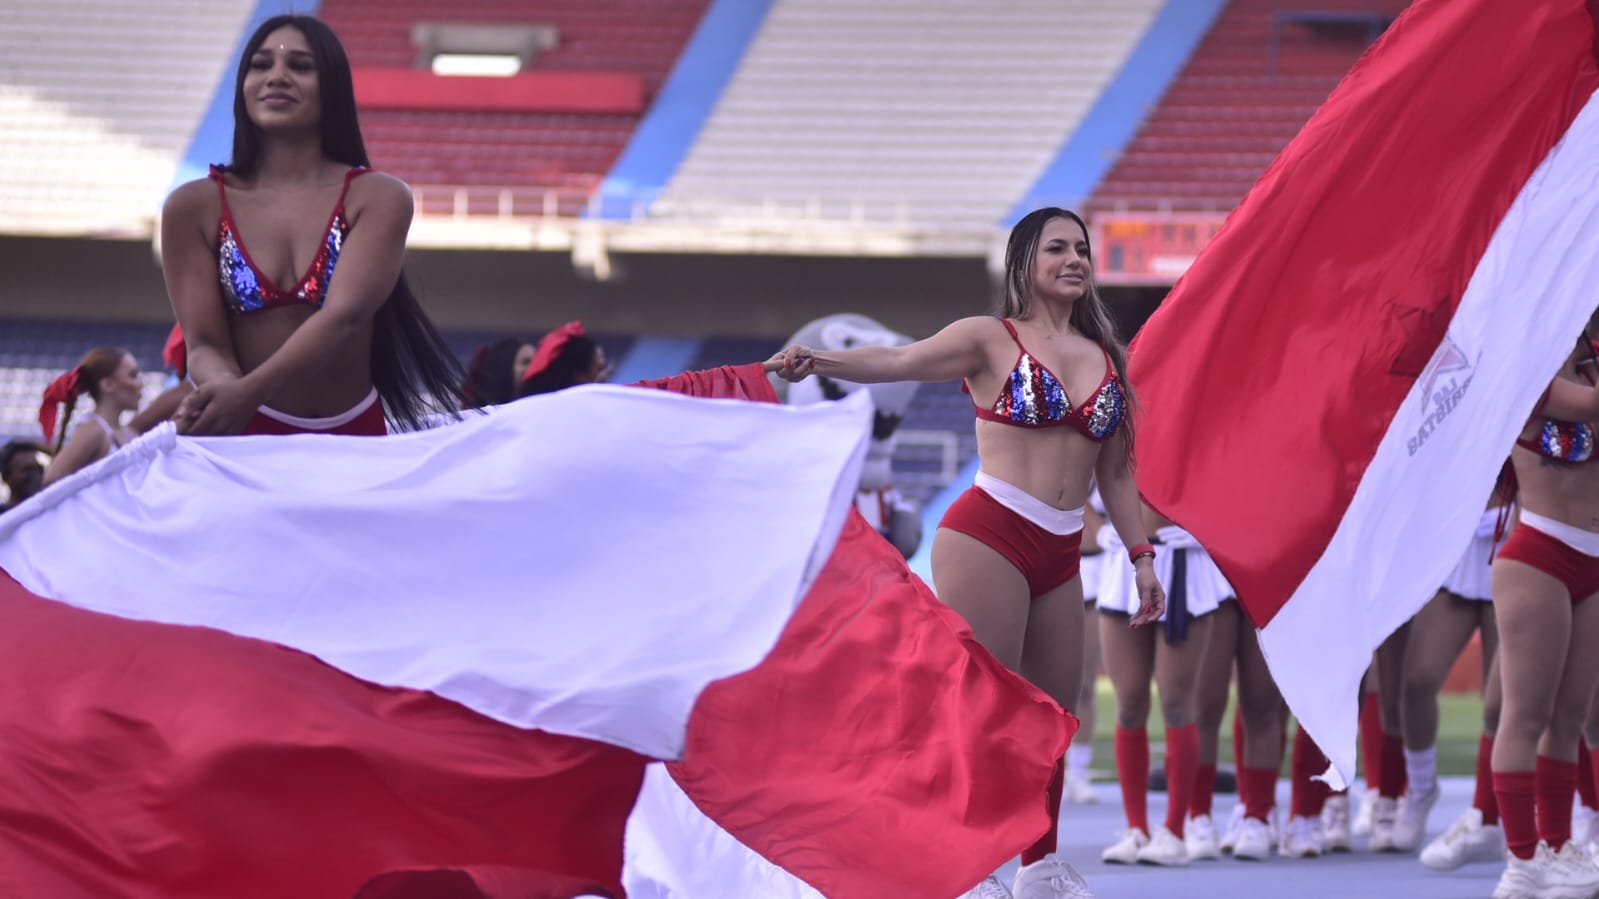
[438, 664]
[1329, 392]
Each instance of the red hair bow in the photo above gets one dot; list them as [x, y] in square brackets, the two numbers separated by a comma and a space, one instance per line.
[64, 389]
[176, 353]
[550, 347]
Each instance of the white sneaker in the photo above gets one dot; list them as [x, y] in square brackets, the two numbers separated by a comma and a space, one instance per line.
[1363, 810]
[1385, 810]
[1335, 835]
[1584, 824]
[1235, 826]
[1301, 839]
[1164, 849]
[1199, 835]
[1254, 841]
[1125, 850]
[1410, 821]
[1080, 792]
[1568, 874]
[990, 888]
[1467, 840]
[1050, 878]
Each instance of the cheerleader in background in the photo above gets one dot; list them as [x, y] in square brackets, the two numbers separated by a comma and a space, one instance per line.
[110, 376]
[1170, 656]
[1463, 607]
[1257, 747]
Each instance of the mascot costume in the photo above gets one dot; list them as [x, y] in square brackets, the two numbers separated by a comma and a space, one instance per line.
[884, 508]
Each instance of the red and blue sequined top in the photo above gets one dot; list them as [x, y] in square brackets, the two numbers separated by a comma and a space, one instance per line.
[1565, 441]
[1562, 441]
[1032, 397]
[246, 289]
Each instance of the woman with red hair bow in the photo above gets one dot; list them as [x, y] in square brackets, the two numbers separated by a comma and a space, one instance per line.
[110, 376]
[565, 357]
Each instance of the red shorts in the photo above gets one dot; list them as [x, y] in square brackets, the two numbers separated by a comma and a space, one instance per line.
[1532, 547]
[365, 419]
[1046, 560]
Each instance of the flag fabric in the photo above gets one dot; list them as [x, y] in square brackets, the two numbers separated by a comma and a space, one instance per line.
[1329, 392]
[896, 732]
[437, 664]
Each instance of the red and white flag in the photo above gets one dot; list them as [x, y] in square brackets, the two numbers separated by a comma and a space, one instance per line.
[1330, 391]
[438, 664]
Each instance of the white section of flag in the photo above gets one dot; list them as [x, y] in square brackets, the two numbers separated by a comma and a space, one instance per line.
[1410, 519]
[583, 562]
[673, 850]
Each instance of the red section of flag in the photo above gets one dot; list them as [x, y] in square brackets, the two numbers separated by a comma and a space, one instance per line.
[879, 750]
[742, 382]
[1272, 372]
[151, 761]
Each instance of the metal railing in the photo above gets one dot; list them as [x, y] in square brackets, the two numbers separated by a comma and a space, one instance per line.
[522, 204]
[948, 445]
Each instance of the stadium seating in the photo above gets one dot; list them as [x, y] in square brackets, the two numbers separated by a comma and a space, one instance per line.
[512, 159]
[1252, 83]
[98, 101]
[932, 113]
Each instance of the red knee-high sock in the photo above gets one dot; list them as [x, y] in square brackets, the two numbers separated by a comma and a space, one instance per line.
[1516, 792]
[1307, 795]
[1257, 787]
[1592, 761]
[1182, 762]
[1244, 784]
[1132, 769]
[1204, 791]
[1046, 843]
[1585, 789]
[1391, 780]
[1554, 782]
[1371, 739]
[1484, 800]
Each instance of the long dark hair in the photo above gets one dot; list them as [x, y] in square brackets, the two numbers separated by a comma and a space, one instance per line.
[412, 367]
[576, 358]
[489, 379]
[1090, 316]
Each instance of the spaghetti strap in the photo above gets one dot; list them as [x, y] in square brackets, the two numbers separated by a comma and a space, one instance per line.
[110, 432]
[219, 174]
[354, 172]
[1015, 337]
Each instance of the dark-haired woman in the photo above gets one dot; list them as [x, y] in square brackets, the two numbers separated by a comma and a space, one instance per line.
[1172, 657]
[495, 374]
[110, 376]
[284, 267]
[1048, 378]
[565, 357]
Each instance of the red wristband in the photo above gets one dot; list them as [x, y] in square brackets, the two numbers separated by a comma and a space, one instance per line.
[1135, 553]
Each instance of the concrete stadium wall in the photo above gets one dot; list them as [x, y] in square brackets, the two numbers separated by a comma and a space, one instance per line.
[667, 295]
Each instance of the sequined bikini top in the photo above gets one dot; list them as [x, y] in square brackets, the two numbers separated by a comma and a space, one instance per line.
[1032, 397]
[1562, 441]
[246, 289]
